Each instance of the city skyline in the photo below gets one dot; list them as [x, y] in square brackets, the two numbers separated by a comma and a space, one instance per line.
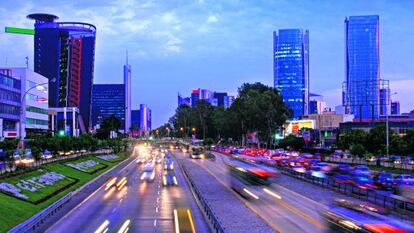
[169, 52]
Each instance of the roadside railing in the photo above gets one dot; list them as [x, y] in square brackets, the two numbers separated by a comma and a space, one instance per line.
[36, 220]
[209, 213]
[362, 161]
[396, 203]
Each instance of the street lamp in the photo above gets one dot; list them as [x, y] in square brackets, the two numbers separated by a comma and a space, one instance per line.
[193, 129]
[387, 124]
[23, 107]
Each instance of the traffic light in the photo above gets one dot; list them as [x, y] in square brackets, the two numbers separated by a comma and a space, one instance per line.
[61, 133]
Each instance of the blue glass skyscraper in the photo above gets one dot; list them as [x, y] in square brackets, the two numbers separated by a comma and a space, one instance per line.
[362, 67]
[108, 100]
[291, 68]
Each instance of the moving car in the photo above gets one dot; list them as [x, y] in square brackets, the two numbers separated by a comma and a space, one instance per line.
[363, 183]
[384, 180]
[361, 170]
[148, 174]
[169, 165]
[298, 168]
[404, 179]
[349, 216]
[169, 179]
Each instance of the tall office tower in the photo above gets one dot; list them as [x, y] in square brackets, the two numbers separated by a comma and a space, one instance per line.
[220, 96]
[64, 52]
[145, 119]
[316, 104]
[385, 104]
[108, 100]
[291, 68]
[127, 83]
[362, 67]
[184, 100]
[195, 97]
[395, 108]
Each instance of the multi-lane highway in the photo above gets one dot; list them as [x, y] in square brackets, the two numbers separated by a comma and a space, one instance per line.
[136, 206]
[284, 210]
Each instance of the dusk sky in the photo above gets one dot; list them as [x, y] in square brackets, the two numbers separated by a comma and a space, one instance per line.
[176, 45]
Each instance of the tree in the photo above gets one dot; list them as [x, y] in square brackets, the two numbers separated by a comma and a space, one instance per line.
[357, 150]
[350, 137]
[109, 124]
[292, 141]
[376, 139]
[259, 108]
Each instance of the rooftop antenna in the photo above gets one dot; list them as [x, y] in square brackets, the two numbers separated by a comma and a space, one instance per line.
[27, 62]
[127, 56]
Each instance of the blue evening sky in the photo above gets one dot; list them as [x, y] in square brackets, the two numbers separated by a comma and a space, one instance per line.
[177, 45]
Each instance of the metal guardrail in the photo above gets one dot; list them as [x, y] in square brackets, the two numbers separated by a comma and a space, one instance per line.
[36, 220]
[209, 213]
[398, 204]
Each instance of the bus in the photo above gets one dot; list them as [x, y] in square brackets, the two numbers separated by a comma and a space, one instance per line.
[244, 177]
[197, 152]
[350, 216]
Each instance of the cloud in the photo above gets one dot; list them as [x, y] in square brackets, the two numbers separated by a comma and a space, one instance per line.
[212, 18]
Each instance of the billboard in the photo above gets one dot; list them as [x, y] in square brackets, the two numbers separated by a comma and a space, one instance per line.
[293, 127]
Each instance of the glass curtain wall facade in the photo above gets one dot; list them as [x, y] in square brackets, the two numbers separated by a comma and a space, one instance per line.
[108, 100]
[291, 68]
[362, 56]
[10, 97]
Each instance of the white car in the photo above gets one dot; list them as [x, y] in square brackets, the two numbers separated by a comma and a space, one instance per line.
[148, 176]
[46, 155]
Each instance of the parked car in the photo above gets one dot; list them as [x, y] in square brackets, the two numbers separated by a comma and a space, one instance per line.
[46, 155]
[384, 180]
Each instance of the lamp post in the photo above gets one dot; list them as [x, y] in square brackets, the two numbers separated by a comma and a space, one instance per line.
[387, 124]
[22, 109]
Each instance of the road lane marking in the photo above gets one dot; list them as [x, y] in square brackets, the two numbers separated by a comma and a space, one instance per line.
[103, 227]
[125, 226]
[272, 193]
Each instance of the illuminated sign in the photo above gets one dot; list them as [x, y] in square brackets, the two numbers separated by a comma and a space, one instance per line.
[14, 30]
[293, 127]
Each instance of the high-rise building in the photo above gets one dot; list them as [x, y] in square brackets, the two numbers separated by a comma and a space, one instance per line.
[184, 100]
[108, 100]
[195, 97]
[32, 95]
[135, 119]
[145, 119]
[384, 101]
[64, 52]
[127, 84]
[220, 98]
[316, 104]
[395, 108]
[362, 67]
[291, 68]
[228, 100]
[10, 97]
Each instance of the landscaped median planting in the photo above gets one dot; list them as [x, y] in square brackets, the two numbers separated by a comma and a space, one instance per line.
[36, 186]
[89, 165]
[24, 195]
[110, 158]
